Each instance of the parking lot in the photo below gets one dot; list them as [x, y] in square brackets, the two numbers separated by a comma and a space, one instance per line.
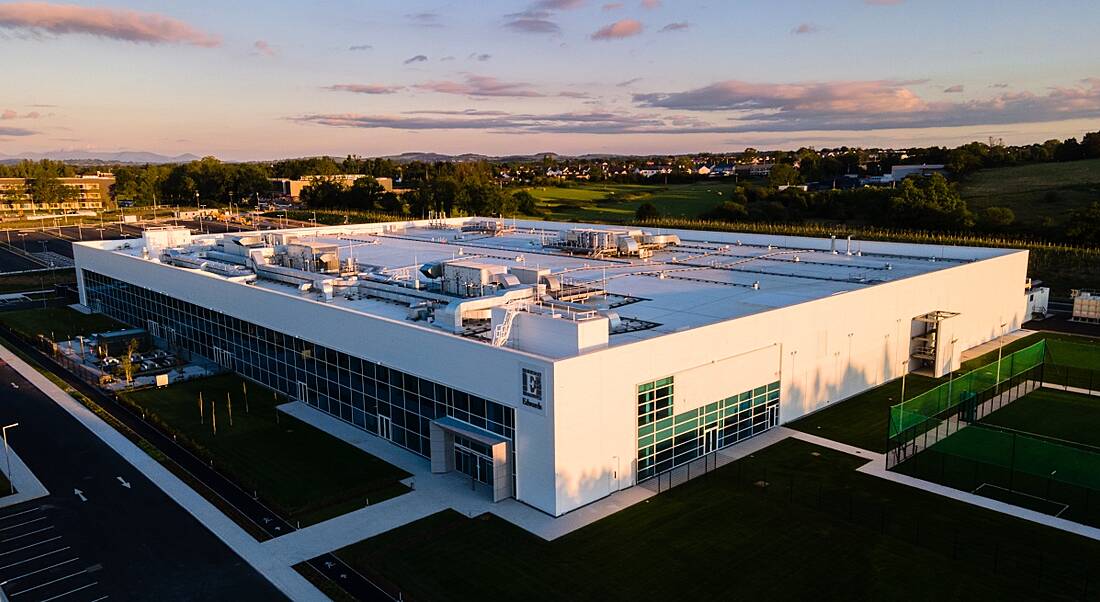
[39, 563]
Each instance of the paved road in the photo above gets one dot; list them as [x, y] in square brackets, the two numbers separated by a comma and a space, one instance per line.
[105, 530]
[271, 523]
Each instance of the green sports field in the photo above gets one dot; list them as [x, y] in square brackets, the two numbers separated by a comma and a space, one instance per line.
[617, 202]
[1041, 451]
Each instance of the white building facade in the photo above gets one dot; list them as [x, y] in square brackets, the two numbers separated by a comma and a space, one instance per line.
[635, 363]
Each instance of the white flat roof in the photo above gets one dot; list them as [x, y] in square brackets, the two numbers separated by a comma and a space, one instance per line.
[710, 277]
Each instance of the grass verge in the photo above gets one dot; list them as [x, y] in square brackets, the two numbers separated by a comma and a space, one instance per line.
[304, 473]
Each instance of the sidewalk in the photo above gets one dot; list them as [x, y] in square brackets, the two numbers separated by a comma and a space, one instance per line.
[280, 574]
[27, 486]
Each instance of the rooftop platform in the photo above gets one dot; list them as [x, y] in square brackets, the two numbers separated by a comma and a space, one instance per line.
[706, 277]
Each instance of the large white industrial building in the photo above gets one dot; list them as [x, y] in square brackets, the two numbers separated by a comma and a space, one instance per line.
[557, 363]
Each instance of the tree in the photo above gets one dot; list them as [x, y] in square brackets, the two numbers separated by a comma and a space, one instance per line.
[1090, 145]
[1084, 225]
[126, 362]
[365, 193]
[526, 203]
[783, 174]
[997, 217]
[646, 211]
[48, 189]
[929, 203]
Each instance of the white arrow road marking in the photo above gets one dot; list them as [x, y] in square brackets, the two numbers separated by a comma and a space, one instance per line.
[80, 494]
[123, 481]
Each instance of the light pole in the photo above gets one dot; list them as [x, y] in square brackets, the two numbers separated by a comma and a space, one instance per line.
[1000, 348]
[904, 371]
[7, 454]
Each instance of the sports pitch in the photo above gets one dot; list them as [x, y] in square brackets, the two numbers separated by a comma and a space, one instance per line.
[1041, 452]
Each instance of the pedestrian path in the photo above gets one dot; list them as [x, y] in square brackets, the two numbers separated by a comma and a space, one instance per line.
[877, 468]
[27, 486]
[279, 573]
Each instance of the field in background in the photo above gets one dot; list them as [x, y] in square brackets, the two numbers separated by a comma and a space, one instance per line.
[771, 526]
[617, 202]
[1035, 192]
[307, 474]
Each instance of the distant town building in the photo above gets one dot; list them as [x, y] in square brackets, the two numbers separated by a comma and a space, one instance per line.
[93, 193]
[900, 172]
[292, 188]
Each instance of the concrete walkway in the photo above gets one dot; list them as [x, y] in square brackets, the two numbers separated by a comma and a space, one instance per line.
[27, 486]
[431, 493]
[877, 468]
[988, 346]
[278, 572]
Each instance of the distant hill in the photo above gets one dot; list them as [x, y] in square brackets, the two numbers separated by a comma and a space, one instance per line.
[100, 156]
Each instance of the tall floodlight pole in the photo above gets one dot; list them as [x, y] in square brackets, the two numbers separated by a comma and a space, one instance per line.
[1000, 348]
[7, 454]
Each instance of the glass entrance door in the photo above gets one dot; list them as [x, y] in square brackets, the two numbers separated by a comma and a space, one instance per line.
[471, 458]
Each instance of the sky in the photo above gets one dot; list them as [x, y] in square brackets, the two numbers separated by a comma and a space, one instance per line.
[254, 79]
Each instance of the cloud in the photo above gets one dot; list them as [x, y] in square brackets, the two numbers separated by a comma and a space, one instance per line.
[447, 58]
[998, 85]
[651, 4]
[612, 6]
[262, 48]
[424, 19]
[493, 121]
[481, 86]
[527, 25]
[479, 57]
[623, 28]
[558, 4]
[360, 47]
[628, 82]
[116, 24]
[805, 28]
[956, 89]
[867, 105]
[9, 114]
[364, 88]
[5, 131]
[420, 58]
[680, 26]
[883, 2]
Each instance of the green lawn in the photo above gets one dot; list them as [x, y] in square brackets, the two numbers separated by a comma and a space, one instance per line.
[1069, 416]
[863, 420]
[618, 202]
[303, 472]
[13, 283]
[1035, 192]
[816, 530]
[60, 323]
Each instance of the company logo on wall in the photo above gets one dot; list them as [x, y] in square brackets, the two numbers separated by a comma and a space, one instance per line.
[532, 389]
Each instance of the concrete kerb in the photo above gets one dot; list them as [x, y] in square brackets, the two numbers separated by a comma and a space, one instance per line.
[27, 486]
[280, 574]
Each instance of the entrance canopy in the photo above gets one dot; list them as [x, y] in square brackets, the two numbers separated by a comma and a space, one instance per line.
[443, 432]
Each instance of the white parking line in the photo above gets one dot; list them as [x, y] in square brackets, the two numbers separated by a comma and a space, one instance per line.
[99, 599]
[35, 558]
[33, 520]
[3, 518]
[52, 566]
[73, 591]
[41, 585]
[26, 534]
[38, 543]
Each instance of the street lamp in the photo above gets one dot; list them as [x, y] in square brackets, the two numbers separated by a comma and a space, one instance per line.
[7, 454]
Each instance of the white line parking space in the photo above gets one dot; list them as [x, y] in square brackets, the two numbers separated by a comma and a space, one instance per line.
[36, 565]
